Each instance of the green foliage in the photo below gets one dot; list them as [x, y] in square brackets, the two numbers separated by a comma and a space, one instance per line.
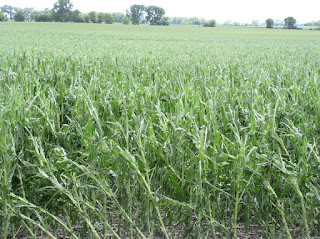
[154, 14]
[118, 17]
[125, 21]
[87, 18]
[187, 20]
[76, 16]
[313, 23]
[61, 10]
[269, 23]
[211, 23]
[93, 17]
[9, 10]
[19, 16]
[290, 23]
[165, 21]
[29, 13]
[255, 23]
[45, 17]
[135, 13]
[3, 17]
[108, 18]
[164, 132]
[100, 17]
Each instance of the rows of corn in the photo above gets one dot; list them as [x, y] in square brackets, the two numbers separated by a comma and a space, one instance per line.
[156, 134]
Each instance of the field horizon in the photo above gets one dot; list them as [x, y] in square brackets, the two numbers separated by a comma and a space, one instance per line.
[173, 30]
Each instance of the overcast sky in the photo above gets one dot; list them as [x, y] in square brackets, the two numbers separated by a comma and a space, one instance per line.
[236, 10]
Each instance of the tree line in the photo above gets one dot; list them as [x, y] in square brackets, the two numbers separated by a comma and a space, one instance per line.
[62, 11]
[153, 15]
[289, 23]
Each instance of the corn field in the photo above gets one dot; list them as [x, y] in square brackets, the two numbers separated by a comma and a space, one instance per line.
[158, 132]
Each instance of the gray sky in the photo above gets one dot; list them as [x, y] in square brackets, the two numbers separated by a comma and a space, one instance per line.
[236, 10]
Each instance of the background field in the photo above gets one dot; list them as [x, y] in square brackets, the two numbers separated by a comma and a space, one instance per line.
[140, 131]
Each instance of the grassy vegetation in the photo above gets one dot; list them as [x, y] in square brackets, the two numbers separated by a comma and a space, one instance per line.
[170, 132]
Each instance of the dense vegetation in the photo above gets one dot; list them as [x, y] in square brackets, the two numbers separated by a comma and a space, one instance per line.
[136, 131]
[63, 11]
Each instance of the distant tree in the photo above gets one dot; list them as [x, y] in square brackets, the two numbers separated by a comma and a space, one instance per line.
[61, 10]
[93, 16]
[255, 23]
[8, 11]
[269, 23]
[19, 16]
[184, 20]
[87, 18]
[192, 20]
[165, 21]
[211, 23]
[125, 21]
[75, 16]
[312, 23]
[290, 23]
[3, 17]
[175, 20]
[108, 18]
[135, 13]
[118, 16]
[43, 17]
[228, 23]
[154, 14]
[29, 12]
[100, 17]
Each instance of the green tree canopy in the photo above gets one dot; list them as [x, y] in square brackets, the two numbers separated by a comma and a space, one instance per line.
[43, 17]
[135, 13]
[154, 14]
[61, 10]
[165, 21]
[3, 17]
[290, 23]
[100, 17]
[29, 13]
[93, 16]
[125, 21]
[269, 23]
[255, 23]
[75, 16]
[19, 16]
[118, 16]
[211, 23]
[86, 18]
[313, 23]
[108, 18]
[8, 10]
